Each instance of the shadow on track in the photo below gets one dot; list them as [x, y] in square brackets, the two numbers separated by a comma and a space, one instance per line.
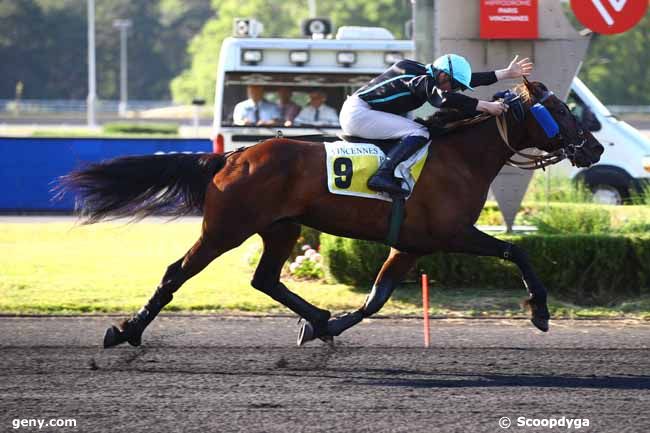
[516, 380]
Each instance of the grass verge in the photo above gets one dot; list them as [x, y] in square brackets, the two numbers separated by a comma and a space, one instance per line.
[60, 268]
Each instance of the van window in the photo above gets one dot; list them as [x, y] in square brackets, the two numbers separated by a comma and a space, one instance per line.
[327, 92]
[583, 113]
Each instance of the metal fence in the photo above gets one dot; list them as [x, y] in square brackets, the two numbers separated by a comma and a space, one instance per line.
[49, 106]
[629, 109]
[104, 106]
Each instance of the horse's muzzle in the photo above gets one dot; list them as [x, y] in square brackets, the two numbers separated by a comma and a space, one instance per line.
[589, 153]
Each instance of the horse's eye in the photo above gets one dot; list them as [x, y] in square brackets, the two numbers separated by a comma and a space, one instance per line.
[562, 112]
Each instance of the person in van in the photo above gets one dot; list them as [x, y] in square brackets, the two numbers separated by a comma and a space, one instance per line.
[583, 113]
[378, 110]
[317, 113]
[256, 110]
[288, 109]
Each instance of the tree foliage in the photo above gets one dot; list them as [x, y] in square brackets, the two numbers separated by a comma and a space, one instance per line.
[43, 44]
[281, 18]
[616, 68]
[38, 48]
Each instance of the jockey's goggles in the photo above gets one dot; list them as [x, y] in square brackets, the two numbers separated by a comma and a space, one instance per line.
[455, 84]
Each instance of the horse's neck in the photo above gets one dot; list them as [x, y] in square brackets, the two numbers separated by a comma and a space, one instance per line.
[483, 150]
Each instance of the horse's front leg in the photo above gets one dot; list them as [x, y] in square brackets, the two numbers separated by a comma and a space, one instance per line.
[391, 274]
[475, 242]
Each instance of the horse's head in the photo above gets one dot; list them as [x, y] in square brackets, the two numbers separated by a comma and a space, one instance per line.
[550, 126]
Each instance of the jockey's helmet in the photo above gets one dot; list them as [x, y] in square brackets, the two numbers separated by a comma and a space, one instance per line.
[458, 69]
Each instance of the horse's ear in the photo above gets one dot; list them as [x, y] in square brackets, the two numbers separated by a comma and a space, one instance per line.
[532, 89]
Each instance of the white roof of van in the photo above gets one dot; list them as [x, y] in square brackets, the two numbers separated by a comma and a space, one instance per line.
[322, 44]
[369, 57]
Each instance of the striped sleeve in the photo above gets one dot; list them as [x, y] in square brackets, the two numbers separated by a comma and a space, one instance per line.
[423, 88]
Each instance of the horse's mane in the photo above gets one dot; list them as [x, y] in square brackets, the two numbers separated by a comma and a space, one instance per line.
[449, 120]
[524, 93]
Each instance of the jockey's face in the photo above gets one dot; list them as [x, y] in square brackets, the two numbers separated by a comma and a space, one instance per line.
[444, 82]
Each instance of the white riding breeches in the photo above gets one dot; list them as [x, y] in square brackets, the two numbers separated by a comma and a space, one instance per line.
[358, 119]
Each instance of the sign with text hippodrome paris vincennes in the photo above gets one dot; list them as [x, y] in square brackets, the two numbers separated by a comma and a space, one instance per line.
[509, 19]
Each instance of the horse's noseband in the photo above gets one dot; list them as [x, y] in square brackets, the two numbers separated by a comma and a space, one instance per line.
[547, 122]
[568, 146]
[571, 149]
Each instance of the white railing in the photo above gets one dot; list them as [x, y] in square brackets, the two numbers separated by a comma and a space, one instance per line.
[629, 109]
[106, 106]
[74, 106]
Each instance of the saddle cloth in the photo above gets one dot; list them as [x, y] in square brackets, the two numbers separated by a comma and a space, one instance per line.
[350, 165]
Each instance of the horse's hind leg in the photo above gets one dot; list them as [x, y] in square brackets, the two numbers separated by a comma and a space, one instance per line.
[194, 261]
[391, 274]
[279, 240]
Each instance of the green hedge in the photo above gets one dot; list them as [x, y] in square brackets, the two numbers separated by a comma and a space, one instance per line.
[140, 128]
[308, 236]
[585, 269]
[572, 218]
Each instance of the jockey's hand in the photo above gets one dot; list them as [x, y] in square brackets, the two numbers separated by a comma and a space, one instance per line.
[516, 69]
[495, 108]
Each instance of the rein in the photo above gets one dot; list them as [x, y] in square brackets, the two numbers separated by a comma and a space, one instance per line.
[551, 128]
[533, 162]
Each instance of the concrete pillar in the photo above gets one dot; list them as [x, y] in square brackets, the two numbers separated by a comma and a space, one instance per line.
[427, 29]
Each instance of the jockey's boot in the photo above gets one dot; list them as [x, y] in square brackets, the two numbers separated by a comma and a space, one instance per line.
[384, 180]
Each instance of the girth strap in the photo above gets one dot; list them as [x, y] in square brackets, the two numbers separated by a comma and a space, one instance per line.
[396, 220]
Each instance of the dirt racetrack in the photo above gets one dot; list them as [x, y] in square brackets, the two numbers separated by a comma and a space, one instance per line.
[215, 373]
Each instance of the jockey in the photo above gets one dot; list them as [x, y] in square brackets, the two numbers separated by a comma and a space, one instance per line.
[379, 109]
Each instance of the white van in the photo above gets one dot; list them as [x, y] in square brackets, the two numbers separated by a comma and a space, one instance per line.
[624, 167]
[333, 67]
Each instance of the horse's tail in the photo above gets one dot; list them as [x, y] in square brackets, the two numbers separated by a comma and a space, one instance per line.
[139, 186]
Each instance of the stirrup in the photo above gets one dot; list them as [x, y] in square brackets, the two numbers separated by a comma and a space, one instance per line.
[391, 186]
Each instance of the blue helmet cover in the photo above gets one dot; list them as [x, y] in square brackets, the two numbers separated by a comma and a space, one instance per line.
[545, 120]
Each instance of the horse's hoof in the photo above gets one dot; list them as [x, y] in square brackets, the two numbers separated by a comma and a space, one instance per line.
[539, 315]
[306, 333]
[113, 337]
[135, 340]
[327, 339]
[540, 323]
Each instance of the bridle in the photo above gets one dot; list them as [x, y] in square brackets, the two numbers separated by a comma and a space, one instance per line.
[551, 128]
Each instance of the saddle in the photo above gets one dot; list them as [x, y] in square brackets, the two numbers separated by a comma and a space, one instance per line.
[384, 145]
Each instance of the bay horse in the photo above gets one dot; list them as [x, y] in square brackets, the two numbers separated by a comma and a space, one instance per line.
[277, 185]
